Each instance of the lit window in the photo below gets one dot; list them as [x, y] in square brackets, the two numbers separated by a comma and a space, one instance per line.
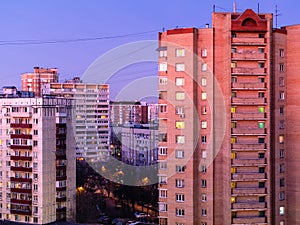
[281, 139]
[179, 125]
[203, 81]
[179, 154]
[180, 52]
[233, 64]
[281, 222]
[179, 67]
[180, 139]
[180, 96]
[261, 125]
[281, 210]
[261, 109]
[162, 53]
[203, 96]
[204, 52]
[163, 67]
[203, 154]
[203, 67]
[233, 109]
[163, 80]
[203, 124]
[179, 81]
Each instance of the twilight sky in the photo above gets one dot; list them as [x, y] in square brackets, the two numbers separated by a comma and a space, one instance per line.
[74, 19]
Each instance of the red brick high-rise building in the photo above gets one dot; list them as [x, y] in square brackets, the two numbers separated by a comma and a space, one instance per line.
[228, 127]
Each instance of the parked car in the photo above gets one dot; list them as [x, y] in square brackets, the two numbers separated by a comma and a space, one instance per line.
[140, 215]
[104, 220]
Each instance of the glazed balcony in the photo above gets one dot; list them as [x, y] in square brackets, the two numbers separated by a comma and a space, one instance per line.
[20, 125]
[60, 178]
[248, 101]
[248, 146]
[21, 201]
[248, 176]
[23, 136]
[23, 169]
[248, 71]
[249, 205]
[248, 41]
[247, 191]
[248, 131]
[61, 188]
[248, 116]
[248, 55]
[20, 190]
[249, 220]
[61, 199]
[22, 158]
[21, 212]
[19, 179]
[249, 86]
[248, 162]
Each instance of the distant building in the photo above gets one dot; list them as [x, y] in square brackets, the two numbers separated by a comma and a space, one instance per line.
[38, 170]
[90, 116]
[33, 81]
[139, 144]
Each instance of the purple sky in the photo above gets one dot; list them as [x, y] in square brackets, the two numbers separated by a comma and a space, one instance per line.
[69, 19]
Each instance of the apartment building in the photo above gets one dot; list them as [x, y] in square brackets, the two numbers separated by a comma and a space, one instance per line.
[228, 127]
[33, 81]
[90, 116]
[38, 169]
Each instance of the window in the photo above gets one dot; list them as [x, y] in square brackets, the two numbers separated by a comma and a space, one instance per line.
[35, 187]
[179, 183]
[281, 182]
[281, 196]
[180, 139]
[203, 169]
[162, 150]
[203, 212]
[261, 65]
[179, 154]
[261, 184]
[179, 212]
[163, 80]
[261, 109]
[281, 168]
[281, 153]
[179, 125]
[261, 50]
[261, 140]
[281, 67]
[281, 110]
[179, 197]
[281, 81]
[204, 52]
[281, 222]
[203, 124]
[162, 137]
[203, 96]
[203, 67]
[35, 143]
[261, 80]
[180, 169]
[35, 219]
[162, 165]
[162, 53]
[35, 132]
[35, 121]
[233, 50]
[162, 179]
[179, 110]
[233, 35]
[281, 139]
[204, 110]
[203, 183]
[261, 94]
[162, 207]
[203, 197]
[261, 125]
[180, 52]
[281, 210]
[203, 223]
[163, 108]
[261, 155]
[281, 124]
[281, 53]
[163, 193]
[26, 218]
[233, 94]
[179, 81]
[203, 139]
[35, 209]
[261, 169]
[281, 95]
[261, 35]
[204, 154]
[180, 96]
[179, 67]
[203, 81]
[233, 64]
[17, 217]
[163, 67]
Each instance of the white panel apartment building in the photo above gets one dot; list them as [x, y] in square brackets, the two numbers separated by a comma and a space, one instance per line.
[37, 160]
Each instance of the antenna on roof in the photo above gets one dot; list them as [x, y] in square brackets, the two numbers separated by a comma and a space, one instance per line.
[276, 16]
[214, 8]
[234, 7]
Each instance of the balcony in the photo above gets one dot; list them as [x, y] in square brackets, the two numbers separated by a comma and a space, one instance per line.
[248, 191]
[20, 212]
[23, 136]
[26, 147]
[248, 71]
[61, 199]
[20, 201]
[249, 86]
[248, 101]
[248, 41]
[23, 169]
[249, 146]
[248, 131]
[22, 158]
[21, 114]
[249, 220]
[248, 162]
[248, 176]
[248, 55]
[20, 125]
[20, 190]
[249, 205]
[61, 188]
[59, 178]
[248, 116]
[63, 209]
[19, 179]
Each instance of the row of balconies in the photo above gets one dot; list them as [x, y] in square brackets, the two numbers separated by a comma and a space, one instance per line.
[22, 158]
[248, 101]
[20, 179]
[249, 205]
[248, 71]
[22, 136]
[19, 168]
[249, 220]
[21, 125]
[248, 56]
[21, 212]
[248, 131]
[248, 162]
[248, 116]
[248, 190]
[27, 147]
[248, 41]
[248, 176]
